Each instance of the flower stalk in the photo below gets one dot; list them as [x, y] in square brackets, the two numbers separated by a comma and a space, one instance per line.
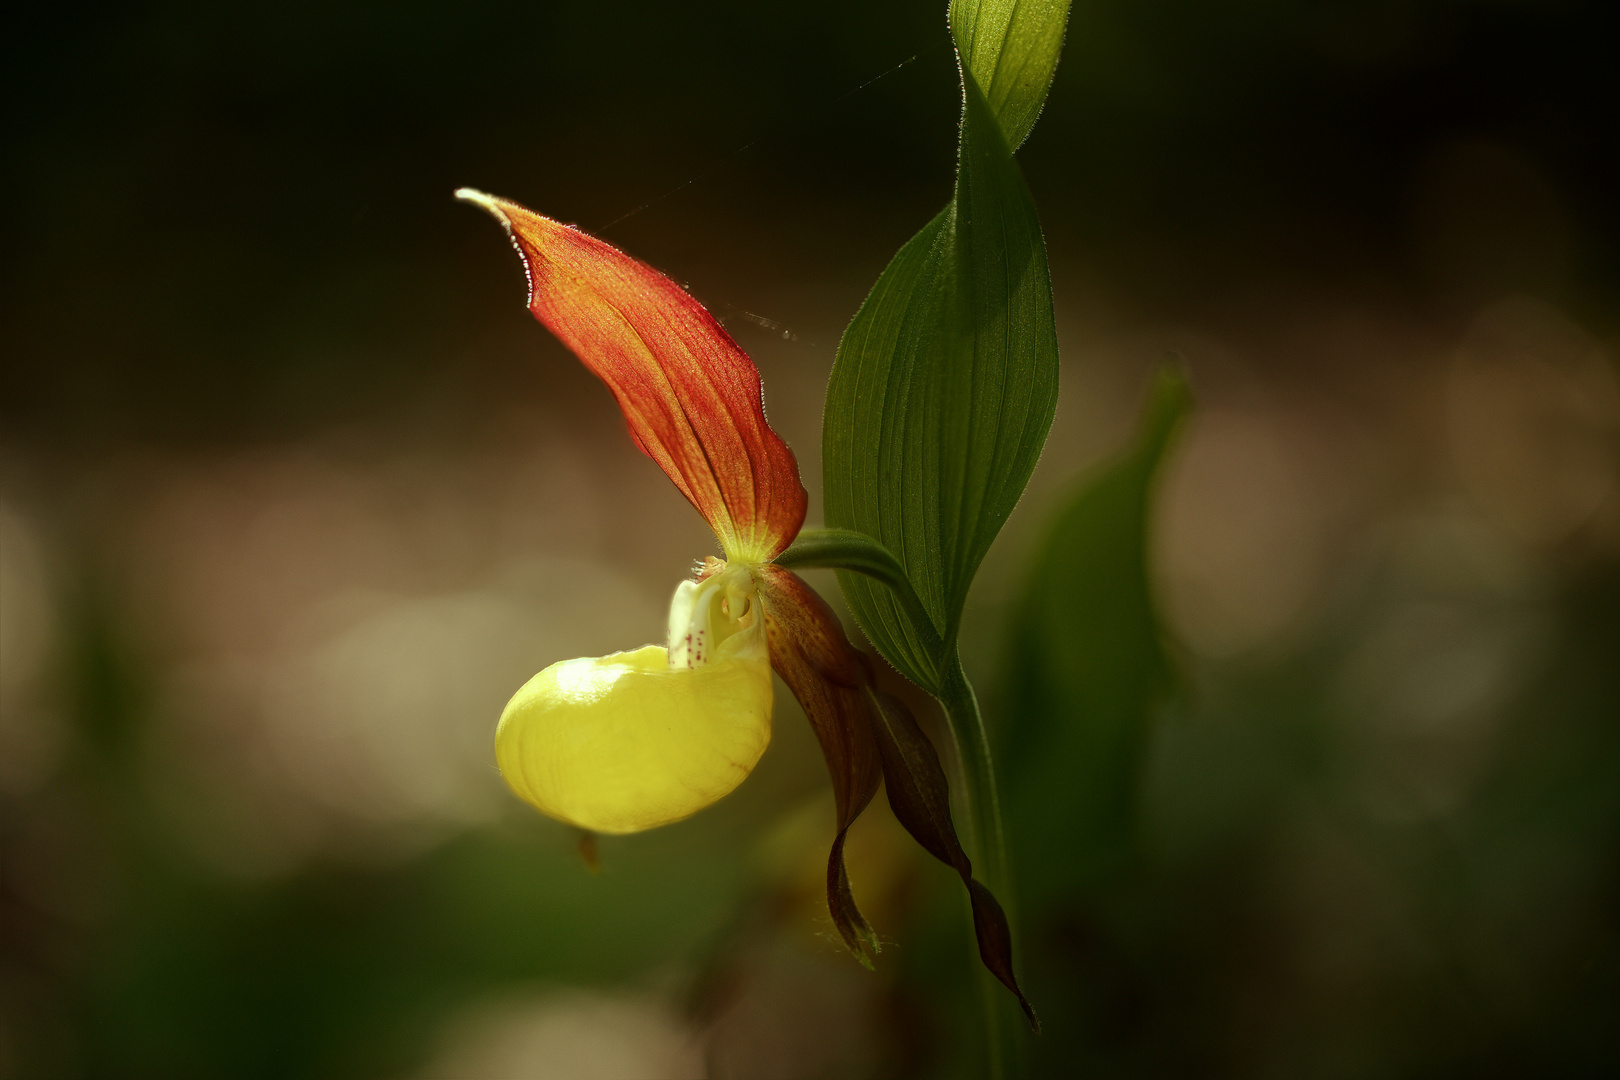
[980, 801]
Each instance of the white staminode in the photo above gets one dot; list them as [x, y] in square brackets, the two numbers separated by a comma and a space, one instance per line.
[704, 615]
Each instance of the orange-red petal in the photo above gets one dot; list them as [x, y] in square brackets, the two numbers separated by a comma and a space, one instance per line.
[690, 395]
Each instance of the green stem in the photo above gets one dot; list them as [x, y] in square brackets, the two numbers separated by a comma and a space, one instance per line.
[980, 804]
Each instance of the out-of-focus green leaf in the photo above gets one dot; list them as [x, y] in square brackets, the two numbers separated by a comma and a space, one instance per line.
[1011, 48]
[945, 382]
[1086, 664]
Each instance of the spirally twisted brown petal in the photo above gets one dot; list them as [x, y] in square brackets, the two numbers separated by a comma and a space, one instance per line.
[920, 799]
[830, 679]
[866, 734]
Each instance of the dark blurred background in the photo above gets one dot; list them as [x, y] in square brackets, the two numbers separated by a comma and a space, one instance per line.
[295, 493]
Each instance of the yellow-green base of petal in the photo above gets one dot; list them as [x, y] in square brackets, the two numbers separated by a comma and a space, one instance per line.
[621, 743]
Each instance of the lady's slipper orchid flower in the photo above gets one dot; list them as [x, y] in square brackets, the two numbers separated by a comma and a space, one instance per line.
[622, 743]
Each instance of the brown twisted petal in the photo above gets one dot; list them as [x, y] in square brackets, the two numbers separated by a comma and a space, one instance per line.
[866, 733]
[831, 680]
[921, 802]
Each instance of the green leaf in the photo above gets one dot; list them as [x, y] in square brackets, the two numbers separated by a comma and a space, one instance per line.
[1086, 666]
[945, 383]
[1011, 49]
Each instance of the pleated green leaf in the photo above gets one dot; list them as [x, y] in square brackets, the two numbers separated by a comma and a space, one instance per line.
[1011, 48]
[944, 386]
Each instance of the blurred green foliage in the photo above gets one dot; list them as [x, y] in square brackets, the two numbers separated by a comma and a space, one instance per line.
[1277, 922]
[1086, 671]
[1245, 886]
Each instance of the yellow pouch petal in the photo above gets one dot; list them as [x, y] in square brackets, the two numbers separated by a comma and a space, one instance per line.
[631, 741]
[621, 743]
